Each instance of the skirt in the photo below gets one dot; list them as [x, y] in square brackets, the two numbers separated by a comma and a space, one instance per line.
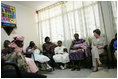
[41, 58]
[76, 55]
[61, 58]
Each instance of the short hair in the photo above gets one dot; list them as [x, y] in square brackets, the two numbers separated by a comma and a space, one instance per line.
[116, 35]
[32, 44]
[46, 38]
[59, 41]
[97, 31]
[6, 42]
[76, 34]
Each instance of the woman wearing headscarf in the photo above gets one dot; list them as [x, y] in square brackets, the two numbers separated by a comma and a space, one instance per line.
[24, 63]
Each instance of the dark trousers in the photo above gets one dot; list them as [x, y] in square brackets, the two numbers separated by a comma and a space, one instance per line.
[75, 63]
[51, 62]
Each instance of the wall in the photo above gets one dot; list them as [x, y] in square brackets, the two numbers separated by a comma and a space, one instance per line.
[26, 26]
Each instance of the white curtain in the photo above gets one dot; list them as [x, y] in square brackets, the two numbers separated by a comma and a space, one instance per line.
[63, 19]
[114, 13]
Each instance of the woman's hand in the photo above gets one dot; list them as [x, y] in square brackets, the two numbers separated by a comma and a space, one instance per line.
[35, 47]
[79, 47]
[73, 48]
[99, 47]
[65, 50]
[42, 51]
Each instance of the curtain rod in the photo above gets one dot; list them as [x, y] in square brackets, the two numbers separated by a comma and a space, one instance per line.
[52, 5]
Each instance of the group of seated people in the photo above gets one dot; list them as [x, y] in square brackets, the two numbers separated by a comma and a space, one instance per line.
[13, 52]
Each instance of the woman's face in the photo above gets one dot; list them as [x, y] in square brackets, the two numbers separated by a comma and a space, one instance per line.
[19, 43]
[48, 40]
[32, 44]
[6, 44]
[76, 36]
[96, 35]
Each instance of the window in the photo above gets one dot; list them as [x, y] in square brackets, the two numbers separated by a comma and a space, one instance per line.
[114, 12]
[61, 20]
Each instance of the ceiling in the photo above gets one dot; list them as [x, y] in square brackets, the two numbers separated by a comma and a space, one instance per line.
[37, 5]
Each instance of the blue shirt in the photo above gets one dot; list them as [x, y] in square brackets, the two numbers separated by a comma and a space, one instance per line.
[115, 45]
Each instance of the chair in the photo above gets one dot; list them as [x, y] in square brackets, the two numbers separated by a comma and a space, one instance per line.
[16, 73]
[86, 62]
[113, 60]
[102, 56]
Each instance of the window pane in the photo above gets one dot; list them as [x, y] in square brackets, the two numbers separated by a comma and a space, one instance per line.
[57, 29]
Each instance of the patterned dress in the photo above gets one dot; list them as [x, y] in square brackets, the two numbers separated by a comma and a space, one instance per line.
[77, 54]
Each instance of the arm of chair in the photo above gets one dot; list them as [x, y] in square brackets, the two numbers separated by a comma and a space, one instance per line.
[15, 66]
[105, 48]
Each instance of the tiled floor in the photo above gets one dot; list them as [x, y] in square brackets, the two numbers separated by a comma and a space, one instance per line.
[83, 73]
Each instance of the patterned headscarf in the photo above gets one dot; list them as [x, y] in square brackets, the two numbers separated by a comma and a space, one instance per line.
[19, 37]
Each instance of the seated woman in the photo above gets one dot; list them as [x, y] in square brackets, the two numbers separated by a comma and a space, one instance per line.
[37, 55]
[25, 64]
[98, 44]
[5, 51]
[48, 50]
[61, 56]
[78, 47]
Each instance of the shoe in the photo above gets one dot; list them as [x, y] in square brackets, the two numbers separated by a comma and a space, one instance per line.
[78, 69]
[100, 65]
[62, 67]
[49, 68]
[65, 66]
[73, 69]
[95, 70]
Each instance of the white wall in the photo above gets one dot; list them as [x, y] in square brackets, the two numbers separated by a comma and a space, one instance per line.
[26, 26]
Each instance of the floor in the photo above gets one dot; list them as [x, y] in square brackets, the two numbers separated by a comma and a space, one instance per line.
[83, 73]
